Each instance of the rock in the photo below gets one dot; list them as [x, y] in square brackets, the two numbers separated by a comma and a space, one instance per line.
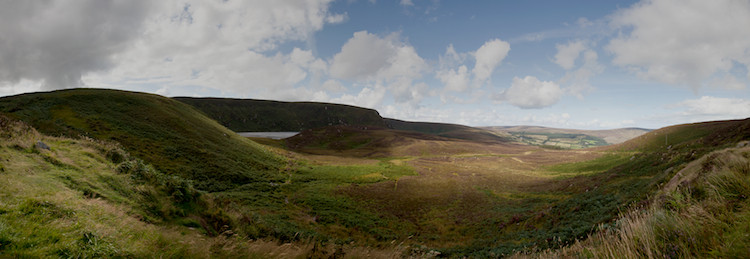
[41, 145]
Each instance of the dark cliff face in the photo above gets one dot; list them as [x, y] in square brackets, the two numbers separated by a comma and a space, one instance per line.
[245, 115]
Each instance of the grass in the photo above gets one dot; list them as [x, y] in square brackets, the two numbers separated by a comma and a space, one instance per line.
[558, 140]
[701, 212]
[88, 198]
[109, 187]
[172, 136]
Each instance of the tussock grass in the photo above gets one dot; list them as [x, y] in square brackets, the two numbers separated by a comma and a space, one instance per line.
[698, 213]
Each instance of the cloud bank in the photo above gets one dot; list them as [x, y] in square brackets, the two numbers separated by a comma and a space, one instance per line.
[56, 42]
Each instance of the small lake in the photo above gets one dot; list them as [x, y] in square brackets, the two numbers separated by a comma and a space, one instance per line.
[271, 135]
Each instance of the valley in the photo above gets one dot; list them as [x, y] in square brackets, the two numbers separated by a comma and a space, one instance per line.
[128, 174]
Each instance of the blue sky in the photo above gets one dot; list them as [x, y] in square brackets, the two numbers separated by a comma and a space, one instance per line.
[569, 64]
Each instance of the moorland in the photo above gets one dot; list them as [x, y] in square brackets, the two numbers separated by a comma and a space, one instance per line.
[107, 173]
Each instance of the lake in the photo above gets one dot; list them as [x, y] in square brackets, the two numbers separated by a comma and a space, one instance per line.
[271, 135]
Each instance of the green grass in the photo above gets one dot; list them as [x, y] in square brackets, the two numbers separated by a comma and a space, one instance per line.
[594, 166]
[700, 213]
[558, 140]
[76, 199]
[168, 134]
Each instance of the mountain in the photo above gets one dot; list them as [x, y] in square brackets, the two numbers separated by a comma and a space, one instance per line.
[173, 136]
[247, 115]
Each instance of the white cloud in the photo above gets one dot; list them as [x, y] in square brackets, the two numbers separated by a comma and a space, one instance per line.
[368, 57]
[369, 97]
[229, 46]
[728, 82]
[716, 107]
[382, 62]
[454, 79]
[568, 53]
[454, 73]
[488, 56]
[577, 81]
[682, 42]
[531, 93]
[407, 3]
[57, 42]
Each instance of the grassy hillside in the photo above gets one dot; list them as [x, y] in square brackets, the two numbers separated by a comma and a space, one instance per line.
[84, 198]
[246, 115]
[171, 135]
[701, 212]
[697, 136]
[63, 197]
[445, 130]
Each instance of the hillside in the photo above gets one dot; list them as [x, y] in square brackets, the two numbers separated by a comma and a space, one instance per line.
[695, 136]
[446, 130]
[611, 136]
[247, 115]
[171, 135]
[373, 142]
[72, 198]
[96, 179]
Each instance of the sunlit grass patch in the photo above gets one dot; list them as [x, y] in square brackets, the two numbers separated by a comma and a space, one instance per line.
[594, 166]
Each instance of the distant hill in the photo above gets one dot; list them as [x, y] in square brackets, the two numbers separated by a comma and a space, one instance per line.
[248, 115]
[446, 130]
[171, 135]
[568, 137]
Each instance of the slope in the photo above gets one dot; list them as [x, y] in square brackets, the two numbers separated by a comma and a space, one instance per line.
[246, 115]
[696, 136]
[446, 130]
[172, 136]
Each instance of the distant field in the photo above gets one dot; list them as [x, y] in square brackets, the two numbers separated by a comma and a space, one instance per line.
[566, 138]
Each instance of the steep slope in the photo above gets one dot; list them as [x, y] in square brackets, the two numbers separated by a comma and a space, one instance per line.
[245, 115]
[173, 136]
[701, 212]
[63, 197]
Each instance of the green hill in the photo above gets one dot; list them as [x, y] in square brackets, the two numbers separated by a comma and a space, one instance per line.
[696, 136]
[173, 136]
[247, 115]
[445, 130]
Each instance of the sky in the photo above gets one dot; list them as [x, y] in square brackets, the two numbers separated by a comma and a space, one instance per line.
[566, 64]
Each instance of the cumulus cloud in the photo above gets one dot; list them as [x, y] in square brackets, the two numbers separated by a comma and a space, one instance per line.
[716, 107]
[229, 46]
[682, 42]
[576, 79]
[488, 56]
[56, 42]
[368, 57]
[369, 97]
[385, 61]
[454, 72]
[568, 53]
[531, 93]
